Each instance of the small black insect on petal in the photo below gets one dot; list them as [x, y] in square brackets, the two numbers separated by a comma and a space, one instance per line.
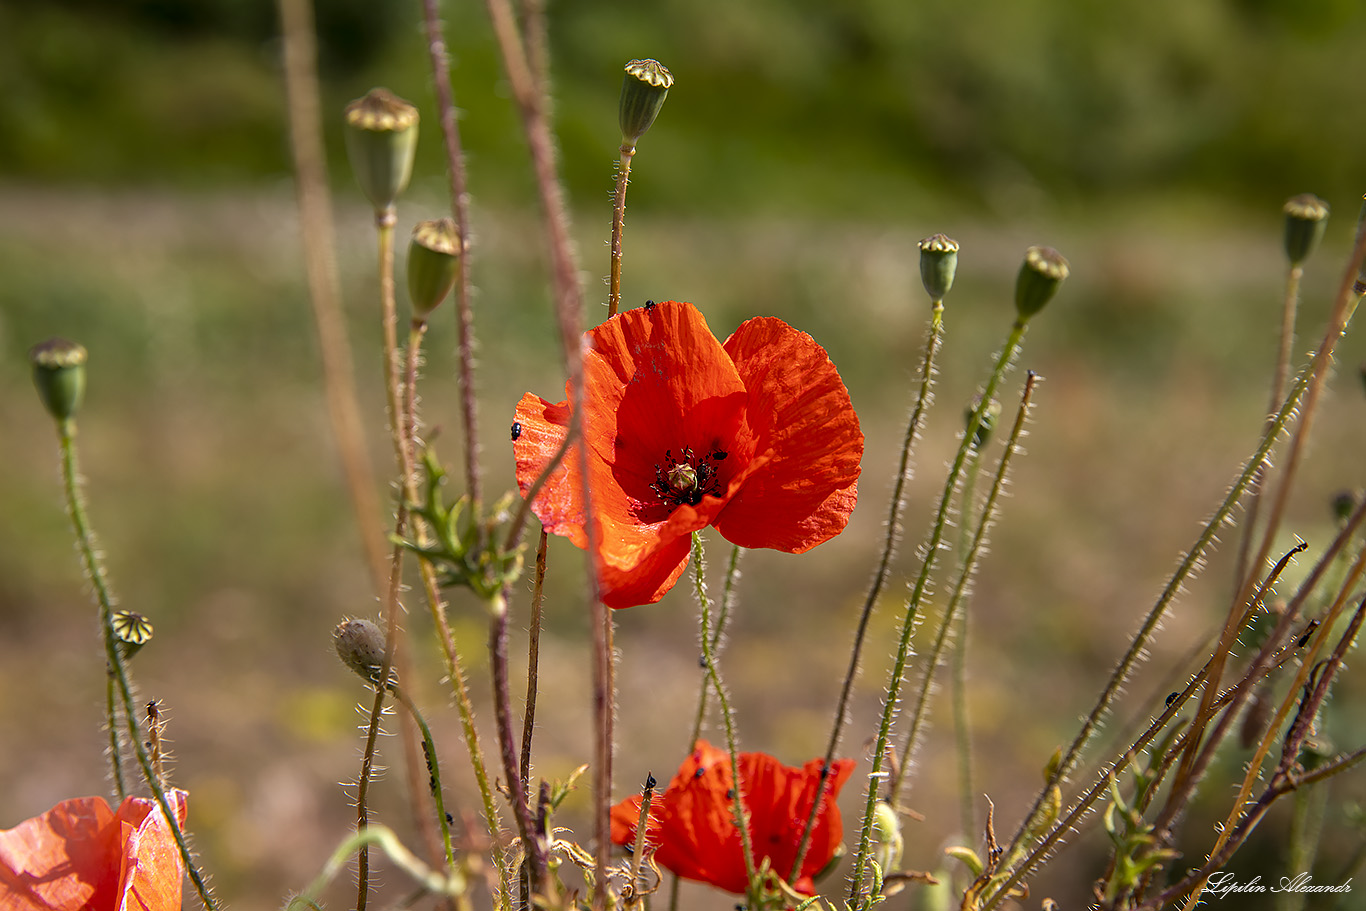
[699, 773]
[516, 430]
[649, 305]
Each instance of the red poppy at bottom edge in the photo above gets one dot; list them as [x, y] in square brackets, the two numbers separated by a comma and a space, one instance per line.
[691, 824]
[83, 855]
[757, 437]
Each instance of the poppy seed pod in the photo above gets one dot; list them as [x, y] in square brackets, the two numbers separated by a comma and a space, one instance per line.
[1306, 218]
[381, 140]
[1042, 271]
[643, 90]
[938, 264]
[433, 264]
[59, 374]
[360, 646]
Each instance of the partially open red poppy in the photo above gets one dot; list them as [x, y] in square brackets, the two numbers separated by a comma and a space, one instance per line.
[691, 825]
[83, 856]
[756, 437]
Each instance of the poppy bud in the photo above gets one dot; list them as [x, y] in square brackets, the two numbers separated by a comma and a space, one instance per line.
[381, 140]
[433, 264]
[1344, 504]
[1040, 275]
[643, 90]
[360, 646]
[1306, 218]
[887, 830]
[985, 425]
[59, 374]
[938, 264]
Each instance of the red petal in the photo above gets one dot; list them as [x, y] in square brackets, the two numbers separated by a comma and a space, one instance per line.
[80, 855]
[800, 412]
[656, 381]
[544, 427]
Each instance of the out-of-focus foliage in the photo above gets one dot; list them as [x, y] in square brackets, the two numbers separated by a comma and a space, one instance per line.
[802, 104]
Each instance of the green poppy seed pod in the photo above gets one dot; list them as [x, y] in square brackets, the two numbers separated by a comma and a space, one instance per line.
[1041, 273]
[132, 630]
[360, 646]
[643, 90]
[938, 264]
[59, 374]
[381, 140]
[1306, 218]
[433, 264]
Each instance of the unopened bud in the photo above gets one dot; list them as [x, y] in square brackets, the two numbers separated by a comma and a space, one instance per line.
[360, 646]
[938, 264]
[433, 264]
[887, 830]
[381, 141]
[1344, 504]
[643, 90]
[1040, 275]
[1306, 218]
[985, 425]
[59, 374]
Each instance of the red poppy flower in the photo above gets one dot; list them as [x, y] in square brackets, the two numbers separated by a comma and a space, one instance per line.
[693, 833]
[756, 437]
[82, 856]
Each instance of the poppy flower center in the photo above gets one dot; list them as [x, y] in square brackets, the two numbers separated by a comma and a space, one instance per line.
[687, 479]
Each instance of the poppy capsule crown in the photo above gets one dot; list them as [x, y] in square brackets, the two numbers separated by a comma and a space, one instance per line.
[756, 437]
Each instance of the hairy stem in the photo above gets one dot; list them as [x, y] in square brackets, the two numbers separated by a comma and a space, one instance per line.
[929, 556]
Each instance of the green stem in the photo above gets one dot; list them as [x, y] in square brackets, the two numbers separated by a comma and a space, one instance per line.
[430, 880]
[117, 670]
[1193, 560]
[960, 589]
[727, 716]
[727, 599]
[889, 542]
[99, 581]
[433, 770]
[930, 555]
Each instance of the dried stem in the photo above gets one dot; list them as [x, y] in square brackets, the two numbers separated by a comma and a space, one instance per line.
[628, 151]
[315, 225]
[455, 172]
[533, 659]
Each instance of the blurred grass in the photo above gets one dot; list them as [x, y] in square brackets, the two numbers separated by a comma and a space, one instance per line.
[146, 212]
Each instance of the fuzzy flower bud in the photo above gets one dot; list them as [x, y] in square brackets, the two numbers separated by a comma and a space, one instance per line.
[985, 426]
[1040, 276]
[360, 646]
[59, 374]
[643, 90]
[1306, 218]
[381, 140]
[938, 264]
[887, 831]
[433, 264]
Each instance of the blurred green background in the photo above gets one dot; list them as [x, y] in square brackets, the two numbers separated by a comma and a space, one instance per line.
[146, 210]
